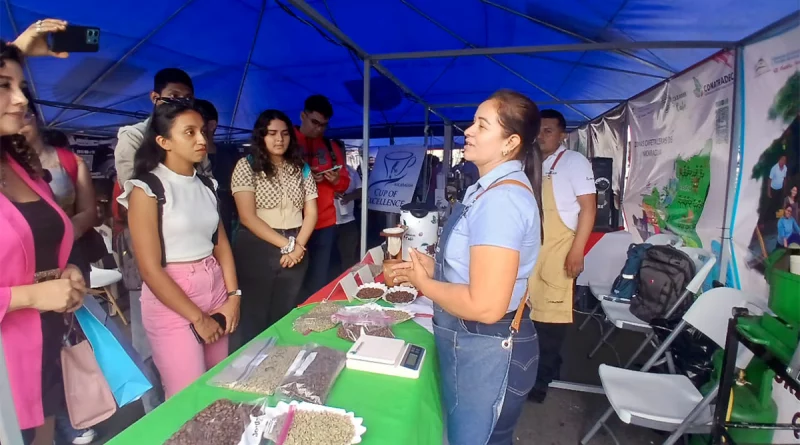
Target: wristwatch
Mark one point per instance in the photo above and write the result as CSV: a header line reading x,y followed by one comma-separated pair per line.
x,y
237,293
289,248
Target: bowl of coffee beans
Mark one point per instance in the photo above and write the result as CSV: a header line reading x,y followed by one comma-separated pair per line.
x,y
399,295
369,292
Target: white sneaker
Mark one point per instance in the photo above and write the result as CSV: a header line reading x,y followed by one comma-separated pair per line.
x,y
86,438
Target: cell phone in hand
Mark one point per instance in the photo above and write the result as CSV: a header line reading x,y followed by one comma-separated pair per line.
x,y
332,169
219,318
75,39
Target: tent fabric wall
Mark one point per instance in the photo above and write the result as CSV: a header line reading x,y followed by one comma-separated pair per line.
x,y
608,141
249,55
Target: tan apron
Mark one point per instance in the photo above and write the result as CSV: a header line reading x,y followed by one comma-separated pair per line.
x,y
550,288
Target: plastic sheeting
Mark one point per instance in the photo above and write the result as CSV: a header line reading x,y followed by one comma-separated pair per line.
x,y
292,58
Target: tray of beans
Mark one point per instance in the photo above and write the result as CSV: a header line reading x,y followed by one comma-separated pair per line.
x,y
400,295
308,424
369,292
223,422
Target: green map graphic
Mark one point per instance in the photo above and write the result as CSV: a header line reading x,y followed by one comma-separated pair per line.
x,y
678,205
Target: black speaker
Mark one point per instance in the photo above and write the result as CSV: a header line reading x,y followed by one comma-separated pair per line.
x,y
606,219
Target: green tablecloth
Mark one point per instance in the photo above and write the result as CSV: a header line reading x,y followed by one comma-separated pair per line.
x,y
395,410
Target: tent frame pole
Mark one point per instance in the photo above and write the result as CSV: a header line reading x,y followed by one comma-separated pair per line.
x,y
365,158
570,47
120,61
492,59
546,24
540,102
247,64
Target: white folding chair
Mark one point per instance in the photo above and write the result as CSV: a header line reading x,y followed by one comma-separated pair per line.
x,y
669,402
619,314
102,280
602,290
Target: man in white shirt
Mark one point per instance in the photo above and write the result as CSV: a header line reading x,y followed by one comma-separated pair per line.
x,y
777,180
347,228
569,206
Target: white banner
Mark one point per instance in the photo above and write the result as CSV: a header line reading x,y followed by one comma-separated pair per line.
x,y
394,178
608,134
582,144
680,134
770,138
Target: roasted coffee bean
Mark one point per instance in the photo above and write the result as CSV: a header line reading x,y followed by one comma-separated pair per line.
x,y
269,373
221,423
369,293
313,374
400,297
319,428
398,316
351,331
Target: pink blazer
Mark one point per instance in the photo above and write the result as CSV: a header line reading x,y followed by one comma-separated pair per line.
x,y
22,329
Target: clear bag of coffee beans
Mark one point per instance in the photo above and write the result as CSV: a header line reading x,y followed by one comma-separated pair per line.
x,y
312,374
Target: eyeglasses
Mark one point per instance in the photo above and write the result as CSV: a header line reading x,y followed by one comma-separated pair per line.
x,y
181,101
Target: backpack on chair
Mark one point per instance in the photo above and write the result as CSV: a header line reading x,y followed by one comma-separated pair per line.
x,y
627,285
663,276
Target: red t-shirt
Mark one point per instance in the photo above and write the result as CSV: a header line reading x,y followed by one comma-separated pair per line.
x,y
316,154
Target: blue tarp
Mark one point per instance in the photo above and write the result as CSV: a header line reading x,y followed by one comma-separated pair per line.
x,y
292,57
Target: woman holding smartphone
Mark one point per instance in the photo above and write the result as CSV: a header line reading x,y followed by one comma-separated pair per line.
x,y
180,301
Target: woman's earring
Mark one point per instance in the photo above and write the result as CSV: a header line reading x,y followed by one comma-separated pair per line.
x,y
505,153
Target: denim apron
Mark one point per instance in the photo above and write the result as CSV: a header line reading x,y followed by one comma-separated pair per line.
x,y
482,365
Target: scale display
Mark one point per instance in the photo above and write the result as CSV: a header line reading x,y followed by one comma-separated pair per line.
x,y
388,356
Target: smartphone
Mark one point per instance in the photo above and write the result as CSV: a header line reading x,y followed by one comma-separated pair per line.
x,y
75,39
332,169
219,318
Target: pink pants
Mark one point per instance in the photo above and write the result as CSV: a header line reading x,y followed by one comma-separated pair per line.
x,y
180,359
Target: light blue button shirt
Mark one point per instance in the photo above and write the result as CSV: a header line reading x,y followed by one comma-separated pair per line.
x,y
505,216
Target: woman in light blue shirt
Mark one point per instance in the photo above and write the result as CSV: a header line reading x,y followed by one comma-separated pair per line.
x,y
486,343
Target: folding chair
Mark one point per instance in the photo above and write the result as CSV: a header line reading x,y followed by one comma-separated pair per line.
x,y
102,281
669,402
619,314
603,290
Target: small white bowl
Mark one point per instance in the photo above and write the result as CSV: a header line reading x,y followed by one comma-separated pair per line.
x,y
380,286
413,291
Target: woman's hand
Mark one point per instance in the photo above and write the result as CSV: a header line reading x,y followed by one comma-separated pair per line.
x,y
297,254
208,329
417,271
287,261
230,309
72,273
63,295
33,41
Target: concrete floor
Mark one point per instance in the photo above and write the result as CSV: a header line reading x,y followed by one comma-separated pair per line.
x,y
563,418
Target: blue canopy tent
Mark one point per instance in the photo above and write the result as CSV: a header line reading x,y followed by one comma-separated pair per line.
x,y
388,66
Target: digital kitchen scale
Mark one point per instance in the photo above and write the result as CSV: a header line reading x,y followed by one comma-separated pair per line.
x,y
389,356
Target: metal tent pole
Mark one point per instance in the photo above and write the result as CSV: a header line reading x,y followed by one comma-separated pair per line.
x,y
9,425
365,159
247,65
540,102
572,47
447,149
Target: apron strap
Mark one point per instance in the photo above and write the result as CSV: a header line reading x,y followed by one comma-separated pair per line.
x,y
558,158
518,315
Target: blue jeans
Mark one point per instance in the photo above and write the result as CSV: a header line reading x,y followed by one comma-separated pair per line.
x,y
484,386
319,251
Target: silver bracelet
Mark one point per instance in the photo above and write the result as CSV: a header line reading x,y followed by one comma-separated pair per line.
x,y
289,248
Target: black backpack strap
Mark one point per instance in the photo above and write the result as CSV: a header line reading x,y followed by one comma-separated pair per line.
x,y
157,188
331,151
210,184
